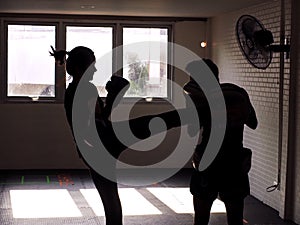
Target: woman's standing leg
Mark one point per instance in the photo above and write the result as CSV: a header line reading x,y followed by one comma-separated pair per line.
x,y
202,207
108,191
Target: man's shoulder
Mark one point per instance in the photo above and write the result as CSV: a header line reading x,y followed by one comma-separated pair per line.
x,y
233,87
230,85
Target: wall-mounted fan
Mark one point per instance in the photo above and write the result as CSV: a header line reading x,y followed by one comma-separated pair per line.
x,y
256,42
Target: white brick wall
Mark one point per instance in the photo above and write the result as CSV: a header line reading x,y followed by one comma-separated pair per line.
x,y
263,88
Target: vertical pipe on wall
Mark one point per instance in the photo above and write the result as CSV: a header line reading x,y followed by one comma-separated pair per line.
x,y
281,92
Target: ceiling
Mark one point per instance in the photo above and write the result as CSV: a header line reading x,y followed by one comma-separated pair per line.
x,y
160,8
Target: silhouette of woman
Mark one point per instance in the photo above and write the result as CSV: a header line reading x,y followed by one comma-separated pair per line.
x,y
80,65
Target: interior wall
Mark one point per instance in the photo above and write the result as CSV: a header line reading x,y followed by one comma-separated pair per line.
x,y
263,89
37,136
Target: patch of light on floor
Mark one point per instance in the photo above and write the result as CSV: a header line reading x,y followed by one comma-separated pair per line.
x,y
218,207
43,204
133,203
180,200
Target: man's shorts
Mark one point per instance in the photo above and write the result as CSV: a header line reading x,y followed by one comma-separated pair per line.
x,y
210,186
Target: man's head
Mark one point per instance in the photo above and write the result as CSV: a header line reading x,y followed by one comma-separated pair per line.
x,y
195,65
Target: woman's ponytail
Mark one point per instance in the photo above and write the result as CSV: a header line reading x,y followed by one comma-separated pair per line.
x,y
58,55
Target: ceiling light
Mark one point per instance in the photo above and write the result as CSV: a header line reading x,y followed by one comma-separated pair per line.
x,y
87,6
203,44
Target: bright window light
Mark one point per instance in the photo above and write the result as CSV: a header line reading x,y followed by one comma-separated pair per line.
x,y
180,200
133,203
43,204
147,75
100,40
30,70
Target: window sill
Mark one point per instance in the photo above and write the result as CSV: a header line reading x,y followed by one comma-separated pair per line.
x,y
32,100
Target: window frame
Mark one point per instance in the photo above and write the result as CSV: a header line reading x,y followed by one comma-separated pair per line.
x,y
26,99
91,24
170,71
61,22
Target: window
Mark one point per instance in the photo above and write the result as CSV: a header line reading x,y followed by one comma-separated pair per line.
x,y
33,75
146,67
30,70
100,40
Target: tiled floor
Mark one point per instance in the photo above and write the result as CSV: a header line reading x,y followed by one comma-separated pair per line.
x,y
69,197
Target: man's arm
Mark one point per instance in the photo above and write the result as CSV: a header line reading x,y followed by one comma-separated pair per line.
x,y
252,119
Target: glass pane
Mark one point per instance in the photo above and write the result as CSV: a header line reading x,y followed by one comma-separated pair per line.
x,y
147,75
30,69
100,40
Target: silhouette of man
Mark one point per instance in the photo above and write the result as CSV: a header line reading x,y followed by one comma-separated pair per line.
x,y
225,176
